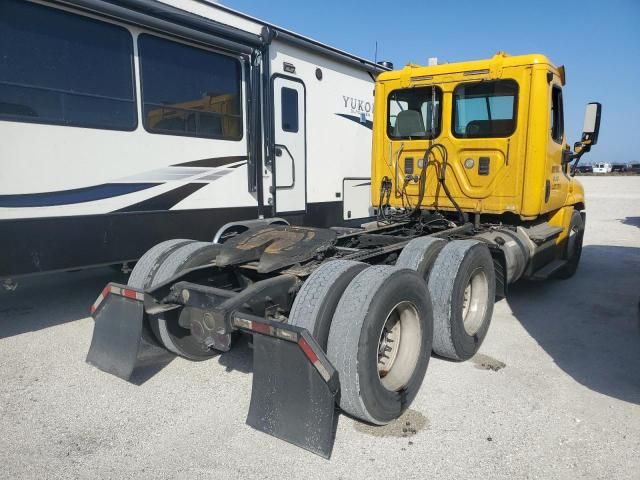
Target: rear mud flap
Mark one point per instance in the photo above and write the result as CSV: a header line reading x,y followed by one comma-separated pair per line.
x,y
294,384
290,399
117,346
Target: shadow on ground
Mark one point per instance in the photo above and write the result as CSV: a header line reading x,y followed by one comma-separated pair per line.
x,y
53,299
240,357
45,301
589,323
152,360
633,221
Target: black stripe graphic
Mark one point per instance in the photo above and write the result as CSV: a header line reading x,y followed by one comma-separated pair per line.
x,y
68,197
107,190
166,200
239,165
367,123
211,162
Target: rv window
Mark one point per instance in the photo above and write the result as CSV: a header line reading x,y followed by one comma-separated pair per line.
x,y
414,113
189,91
289,98
486,109
60,68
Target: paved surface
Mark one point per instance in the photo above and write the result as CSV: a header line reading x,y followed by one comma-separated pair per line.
x,y
554,393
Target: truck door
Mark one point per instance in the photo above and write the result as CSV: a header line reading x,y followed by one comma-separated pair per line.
x,y
290,148
557,178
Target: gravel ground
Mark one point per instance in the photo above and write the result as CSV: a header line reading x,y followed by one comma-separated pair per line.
x,y
553,393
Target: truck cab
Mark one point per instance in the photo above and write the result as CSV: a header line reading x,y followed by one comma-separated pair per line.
x,y
499,126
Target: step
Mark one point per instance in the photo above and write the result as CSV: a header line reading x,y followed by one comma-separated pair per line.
x,y
548,270
542,232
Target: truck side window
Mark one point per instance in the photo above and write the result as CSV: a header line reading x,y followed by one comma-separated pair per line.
x,y
483,110
557,115
289,100
414,113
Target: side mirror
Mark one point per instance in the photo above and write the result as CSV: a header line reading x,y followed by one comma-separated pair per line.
x,y
591,123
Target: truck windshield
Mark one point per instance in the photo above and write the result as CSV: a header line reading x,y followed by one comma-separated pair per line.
x,y
414,113
486,109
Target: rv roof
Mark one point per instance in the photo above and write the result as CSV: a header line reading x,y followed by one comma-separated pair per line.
x,y
189,18
303,38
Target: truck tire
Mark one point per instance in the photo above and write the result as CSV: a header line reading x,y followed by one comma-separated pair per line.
x,y
420,254
165,326
380,342
142,274
462,287
316,302
573,247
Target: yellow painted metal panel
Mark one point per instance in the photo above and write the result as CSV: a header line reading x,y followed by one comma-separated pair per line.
x,y
525,176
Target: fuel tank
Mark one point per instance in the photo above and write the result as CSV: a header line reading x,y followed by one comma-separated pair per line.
x,y
517,247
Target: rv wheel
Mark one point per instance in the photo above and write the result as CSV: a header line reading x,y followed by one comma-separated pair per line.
x,y
316,302
165,326
462,288
380,342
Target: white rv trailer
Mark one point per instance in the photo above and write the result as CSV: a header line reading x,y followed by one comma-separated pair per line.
x,y
127,123
602,167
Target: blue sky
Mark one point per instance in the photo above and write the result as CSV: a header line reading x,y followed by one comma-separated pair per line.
x,y
597,41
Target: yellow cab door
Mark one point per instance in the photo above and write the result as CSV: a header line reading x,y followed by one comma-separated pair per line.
x,y
557,176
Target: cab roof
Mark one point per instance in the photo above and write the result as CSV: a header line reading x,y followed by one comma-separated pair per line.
x,y
499,60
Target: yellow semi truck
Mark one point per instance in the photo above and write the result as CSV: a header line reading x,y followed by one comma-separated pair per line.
x,y
472,189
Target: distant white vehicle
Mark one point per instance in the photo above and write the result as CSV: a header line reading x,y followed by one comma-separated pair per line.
x,y
601,168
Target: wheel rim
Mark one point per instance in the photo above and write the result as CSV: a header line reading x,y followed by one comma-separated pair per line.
x,y
178,339
399,346
474,302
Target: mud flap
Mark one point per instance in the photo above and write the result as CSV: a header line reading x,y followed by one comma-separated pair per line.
x,y
117,346
290,399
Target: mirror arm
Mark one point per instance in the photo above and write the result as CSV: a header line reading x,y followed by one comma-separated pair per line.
x,y
580,149
574,167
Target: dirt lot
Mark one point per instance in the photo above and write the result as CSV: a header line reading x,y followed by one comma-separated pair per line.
x,y
553,393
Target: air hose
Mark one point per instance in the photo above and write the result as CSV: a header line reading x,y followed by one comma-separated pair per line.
x,y
441,177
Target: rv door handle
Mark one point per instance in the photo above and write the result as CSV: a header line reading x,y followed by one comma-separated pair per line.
x,y
278,152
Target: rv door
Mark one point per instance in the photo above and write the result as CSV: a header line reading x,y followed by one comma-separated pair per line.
x,y
290,147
